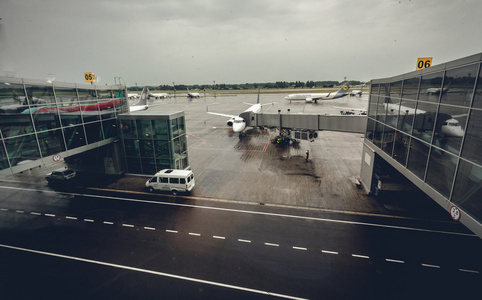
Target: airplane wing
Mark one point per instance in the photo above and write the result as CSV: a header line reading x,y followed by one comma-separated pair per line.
x,y
222,115
137,108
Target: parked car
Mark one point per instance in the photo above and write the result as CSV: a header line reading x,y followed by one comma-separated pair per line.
x,y
61,175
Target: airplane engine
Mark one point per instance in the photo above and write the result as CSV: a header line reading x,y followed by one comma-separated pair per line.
x,y
230,122
309,100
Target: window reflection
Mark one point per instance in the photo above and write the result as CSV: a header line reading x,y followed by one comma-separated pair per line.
x,y
459,85
410,88
372,106
388,136
396,89
441,171
424,122
400,149
450,128
417,158
468,189
22,149
473,138
477,101
430,87
407,114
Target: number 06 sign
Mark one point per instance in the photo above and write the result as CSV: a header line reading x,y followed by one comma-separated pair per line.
x,y
424,62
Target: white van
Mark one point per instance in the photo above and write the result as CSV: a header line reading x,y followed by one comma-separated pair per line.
x,y
171,180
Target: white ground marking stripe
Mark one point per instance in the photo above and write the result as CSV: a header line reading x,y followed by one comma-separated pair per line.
x,y
108,223
49,215
395,260
300,248
171,231
244,241
36,213
360,256
246,212
71,218
271,244
431,266
219,237
128,225
329,252
88,220
196,234
469,271
149,228
90,261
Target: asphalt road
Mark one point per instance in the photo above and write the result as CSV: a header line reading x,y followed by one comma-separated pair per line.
x,y
85,244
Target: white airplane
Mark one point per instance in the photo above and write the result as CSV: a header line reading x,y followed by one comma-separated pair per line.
x,y
320,96
356,92
450,126
351,111
238,123
193,95
156,95
142,103
132,96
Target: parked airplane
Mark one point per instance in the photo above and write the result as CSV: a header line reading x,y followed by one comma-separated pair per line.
x,y
320,96
193,95
132,96
356,92
142,103
156,95
238,123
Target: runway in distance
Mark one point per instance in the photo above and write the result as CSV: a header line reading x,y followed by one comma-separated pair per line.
x,y
237,123
314,97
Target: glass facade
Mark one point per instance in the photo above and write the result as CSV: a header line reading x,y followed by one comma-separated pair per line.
x,y
40,119
154,142
430,123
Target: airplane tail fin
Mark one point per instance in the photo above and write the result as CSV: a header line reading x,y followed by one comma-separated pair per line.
x,y
143,97
344,89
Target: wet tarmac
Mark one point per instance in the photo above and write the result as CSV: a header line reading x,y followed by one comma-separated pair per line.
x,y
256,171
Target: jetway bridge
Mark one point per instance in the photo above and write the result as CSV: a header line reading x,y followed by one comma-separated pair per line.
x,y
307,122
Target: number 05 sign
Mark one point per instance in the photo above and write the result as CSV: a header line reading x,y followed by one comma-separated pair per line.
x,y
424,62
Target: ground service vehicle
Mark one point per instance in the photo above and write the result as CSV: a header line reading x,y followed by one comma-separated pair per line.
x,y
60,175
171,180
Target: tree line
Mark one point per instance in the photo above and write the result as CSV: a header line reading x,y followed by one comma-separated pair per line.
x,y
248,86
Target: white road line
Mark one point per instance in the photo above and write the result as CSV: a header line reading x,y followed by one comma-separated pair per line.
x,y
431,266
329,252
270,244
219,237
360,256
3,209
171,231
36,213
71,218
244,241
196,234
469,271
108,223
128,225
248,212
151,272
395,260
300,248
19,211
88,220
49,215
149,228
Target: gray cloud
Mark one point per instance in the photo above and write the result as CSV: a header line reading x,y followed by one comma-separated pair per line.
x,y
198,41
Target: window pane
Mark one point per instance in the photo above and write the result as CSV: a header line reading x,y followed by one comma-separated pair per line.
x,y
377,137
51,142
94,132
374,88
417,158
441,171
69,107
424,123
430,87
450,128
459,85
161,129
381,110
407,114
468,190
478,92
473,138
392,112
129,129
370,125
396,89
74,136
22,148
410,88
400,150
372,107
387,144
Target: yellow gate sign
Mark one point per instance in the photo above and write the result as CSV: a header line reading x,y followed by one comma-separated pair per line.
x,y
89,77
424,62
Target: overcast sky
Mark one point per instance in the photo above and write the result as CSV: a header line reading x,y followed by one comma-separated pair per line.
x,y
153,42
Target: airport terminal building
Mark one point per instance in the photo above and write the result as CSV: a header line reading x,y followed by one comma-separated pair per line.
x,y
426,126
88,126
